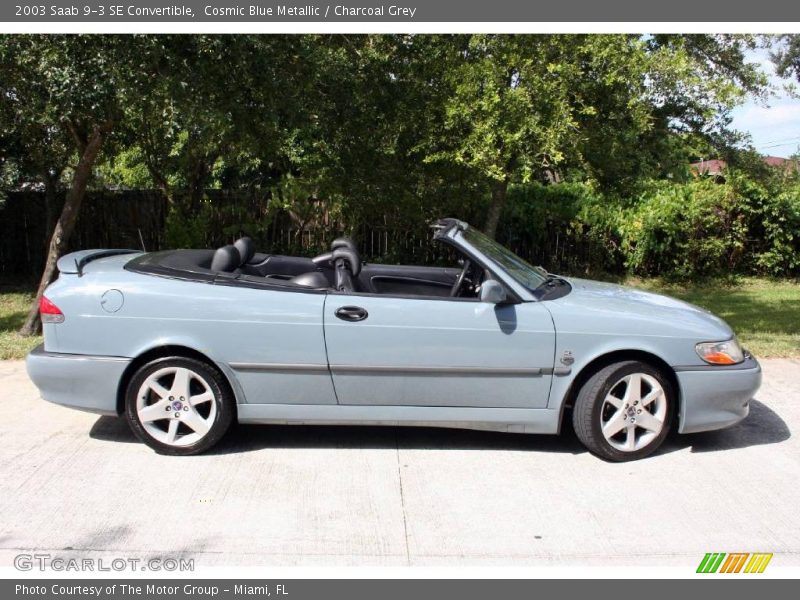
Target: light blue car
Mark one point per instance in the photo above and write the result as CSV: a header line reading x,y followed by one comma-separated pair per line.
x,y
183,342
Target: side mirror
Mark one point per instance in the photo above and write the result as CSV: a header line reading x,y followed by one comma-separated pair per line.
x,y
493,292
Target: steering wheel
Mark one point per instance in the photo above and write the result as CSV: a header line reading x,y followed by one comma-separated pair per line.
x,y
454,291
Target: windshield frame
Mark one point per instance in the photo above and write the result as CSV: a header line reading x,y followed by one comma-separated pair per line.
x,y
524,274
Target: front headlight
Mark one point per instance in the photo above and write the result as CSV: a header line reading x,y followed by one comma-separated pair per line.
x,y
721,353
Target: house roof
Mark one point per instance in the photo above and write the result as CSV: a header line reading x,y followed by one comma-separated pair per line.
x,y
709,167
776,161
717,166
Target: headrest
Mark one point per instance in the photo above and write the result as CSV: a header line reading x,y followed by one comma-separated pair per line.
x,y
226,259
246,249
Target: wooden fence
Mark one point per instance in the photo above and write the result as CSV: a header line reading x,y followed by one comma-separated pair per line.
x,y
136,218
107,219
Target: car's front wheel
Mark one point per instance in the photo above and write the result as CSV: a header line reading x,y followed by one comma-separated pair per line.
x,y
624,411
179,405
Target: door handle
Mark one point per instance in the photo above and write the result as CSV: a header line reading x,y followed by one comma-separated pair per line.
x,y
351,313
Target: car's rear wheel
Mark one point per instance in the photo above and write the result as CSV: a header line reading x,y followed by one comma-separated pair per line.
x,y
624,411
179,405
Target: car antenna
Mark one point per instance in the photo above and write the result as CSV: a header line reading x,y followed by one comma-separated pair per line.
x,y
141,239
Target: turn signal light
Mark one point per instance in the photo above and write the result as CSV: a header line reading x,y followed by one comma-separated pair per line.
x,y
719,358
721,353
49,312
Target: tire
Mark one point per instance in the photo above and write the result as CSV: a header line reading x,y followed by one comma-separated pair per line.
x,y
608,408
190,388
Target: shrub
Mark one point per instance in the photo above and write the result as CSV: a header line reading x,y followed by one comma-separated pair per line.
x,y
694,229
685,230
565,227
774,233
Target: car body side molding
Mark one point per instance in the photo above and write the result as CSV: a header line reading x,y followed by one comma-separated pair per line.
x,y
433,370
277,367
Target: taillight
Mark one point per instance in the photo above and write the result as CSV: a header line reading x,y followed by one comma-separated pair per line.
x,y
50,312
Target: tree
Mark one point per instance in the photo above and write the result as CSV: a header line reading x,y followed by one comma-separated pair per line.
x,y
31,147
392,129
523,106
667,103
786,56
221,110
505,107
74,88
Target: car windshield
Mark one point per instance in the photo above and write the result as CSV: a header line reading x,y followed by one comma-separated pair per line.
x,y
525,273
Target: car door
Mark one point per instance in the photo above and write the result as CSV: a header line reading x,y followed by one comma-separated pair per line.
x,y
273,341
385,350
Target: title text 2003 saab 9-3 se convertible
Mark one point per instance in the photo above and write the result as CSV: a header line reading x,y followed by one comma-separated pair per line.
x,y
185,341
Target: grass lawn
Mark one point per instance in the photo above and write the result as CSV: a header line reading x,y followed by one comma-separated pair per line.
x,y
764,313
14,305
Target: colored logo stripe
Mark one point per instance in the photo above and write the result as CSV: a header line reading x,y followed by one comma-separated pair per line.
x,y
710,562
758,563
734,562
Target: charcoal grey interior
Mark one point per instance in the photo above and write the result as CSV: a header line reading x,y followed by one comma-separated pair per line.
x,y
341,269
246,248
225,259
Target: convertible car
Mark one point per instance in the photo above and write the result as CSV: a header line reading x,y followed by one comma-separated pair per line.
x,y
184,342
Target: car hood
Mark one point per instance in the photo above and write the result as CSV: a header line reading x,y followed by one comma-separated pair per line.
x,y
646,311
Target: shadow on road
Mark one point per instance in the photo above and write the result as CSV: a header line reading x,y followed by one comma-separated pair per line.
x,y
763,426
249,438
255,437
112,429
111,539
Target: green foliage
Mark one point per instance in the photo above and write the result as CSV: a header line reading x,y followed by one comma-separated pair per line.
x,y
127,170
508,105
558,225
696,229
621,108
8,175
56,89
680,230
787,56
182,230
781,222
14,305
387,132
219,219
774,225
393,124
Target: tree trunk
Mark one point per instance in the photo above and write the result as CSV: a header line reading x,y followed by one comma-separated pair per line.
x,y
162,183
499,189
65,225
198,175
50,188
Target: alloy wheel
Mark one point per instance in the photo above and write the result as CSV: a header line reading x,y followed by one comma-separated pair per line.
x,y
176,406
633,413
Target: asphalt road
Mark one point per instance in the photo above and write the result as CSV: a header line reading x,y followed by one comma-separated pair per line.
x,y
76,485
